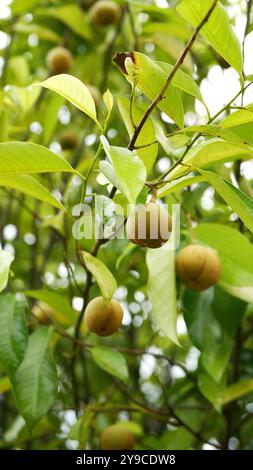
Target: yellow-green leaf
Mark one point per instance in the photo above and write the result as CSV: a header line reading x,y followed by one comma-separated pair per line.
x,y
217,31
74,91
101,273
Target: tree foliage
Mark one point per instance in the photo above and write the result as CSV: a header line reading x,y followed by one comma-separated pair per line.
x,y
99,111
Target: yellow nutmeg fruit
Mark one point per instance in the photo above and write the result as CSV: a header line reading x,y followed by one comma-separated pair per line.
x,y
150,226
105,12
59,60
198,266
103,317
117,437
95,93
43,312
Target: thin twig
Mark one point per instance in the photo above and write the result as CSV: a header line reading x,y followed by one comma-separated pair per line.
x,y
170,77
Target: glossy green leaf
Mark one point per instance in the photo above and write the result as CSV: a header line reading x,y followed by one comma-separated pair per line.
x,y
228,310
241,204
72,16
73,90
138,69
20,6
206,333
147,134
29,185
64,313
181,183
208,153
13,333
26,158
183,81
237,390
129,170
161,288
236,254
111,361
108,100
241,124
212,130
6,259
212,390
238,118
35,382
101,273
217,31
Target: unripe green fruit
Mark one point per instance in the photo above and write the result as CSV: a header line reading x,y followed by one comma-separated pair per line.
x,y
68,140
117,437
95,93
103,317
198,266
150,226
105,12
59,60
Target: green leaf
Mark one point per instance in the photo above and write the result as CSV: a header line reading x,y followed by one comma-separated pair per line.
x,y
212,390
181,183
40,31
111,361
20,6
6,259
73,90
129,170
206,333
138,69
72,16
21,97
236,254
161,286
146,136
5,385
80,429
23,157
29,185
64,314
183,81
213,130
241,124
101,273
217,31
35,382
241,204
208,153
108,100
50,116
237,390
228,310
13,333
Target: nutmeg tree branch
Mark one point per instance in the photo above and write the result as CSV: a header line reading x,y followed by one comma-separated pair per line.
x,y
170,77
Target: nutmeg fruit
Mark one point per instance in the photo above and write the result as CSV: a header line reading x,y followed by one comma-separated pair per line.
x,y
150,226
103,317
43,312
104,13
117,437
59,60
68,140
95,93
198,267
